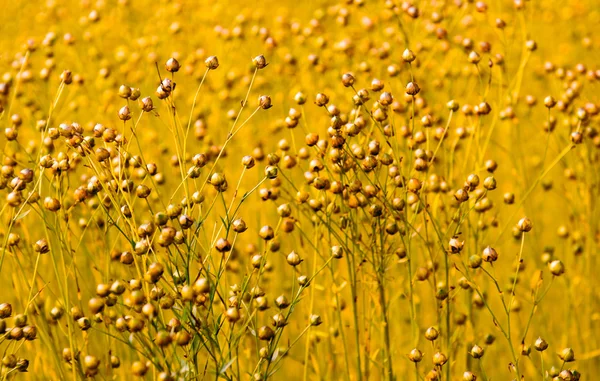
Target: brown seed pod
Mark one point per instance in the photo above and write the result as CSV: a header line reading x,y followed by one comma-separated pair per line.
x,y
172,65
265,333
212,63
412,89
260,62
525,225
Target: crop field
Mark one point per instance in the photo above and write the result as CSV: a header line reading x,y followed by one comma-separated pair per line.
x,y
300,190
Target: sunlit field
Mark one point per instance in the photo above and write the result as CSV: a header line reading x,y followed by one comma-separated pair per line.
x,y
300,190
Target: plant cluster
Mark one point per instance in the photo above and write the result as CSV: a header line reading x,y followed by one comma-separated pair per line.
x,y
347,190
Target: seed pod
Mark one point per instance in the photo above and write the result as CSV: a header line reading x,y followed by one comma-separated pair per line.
x,y
266,233
271,172
135,94
408,56
489,183
5,310
567,355
293,259
124,91
217,179
525,225
415,355
549,102
239,226
476,351
337,252
431,334
146,104
321,100
260,62
22,365
489,254
41,246
182,338
124,113
265,333
461,195
248,161
223,245
201,286
303,281
67,77
212,62
52,204
172,65
315,320
475,261
455,246
439,359
556,267
540,344
279,320
139,368
264,102
300,98
91,362
142,191
347,80
412,88
474,57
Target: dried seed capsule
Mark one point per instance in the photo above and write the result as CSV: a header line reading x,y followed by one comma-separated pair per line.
x,y
431,334
408,56
41,246
347,80
567,355
415,355
455,246
489,183
67,77
135,94
265,333
439,359
476,351
293,259
540,344
146,104
556,267
474,57
172,65
489,254
124,113
124,91
264,102
525,224
321,100
212,62
260,62
412,88
315,320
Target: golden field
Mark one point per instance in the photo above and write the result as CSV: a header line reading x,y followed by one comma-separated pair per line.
x,y
320,190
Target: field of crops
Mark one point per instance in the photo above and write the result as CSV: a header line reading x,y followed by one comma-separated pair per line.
x,y
300,190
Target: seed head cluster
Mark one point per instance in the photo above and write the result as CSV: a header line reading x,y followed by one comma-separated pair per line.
x,y
334,190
